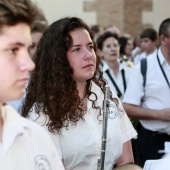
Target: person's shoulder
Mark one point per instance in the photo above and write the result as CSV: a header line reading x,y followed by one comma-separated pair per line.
x,y
126,68
127,71
34,127
30,130
151,60
105,66
152,56
21,122
36,131
137,67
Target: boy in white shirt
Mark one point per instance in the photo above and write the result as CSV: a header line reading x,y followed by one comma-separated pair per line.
x,y
23,144
148,45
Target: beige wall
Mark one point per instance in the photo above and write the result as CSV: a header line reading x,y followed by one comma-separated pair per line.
x,y
55,9
160,11
130,16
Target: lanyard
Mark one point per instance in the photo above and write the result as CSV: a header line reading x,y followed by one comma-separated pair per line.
x,y
163,72
119,94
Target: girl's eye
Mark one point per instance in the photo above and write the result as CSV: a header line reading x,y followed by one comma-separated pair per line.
x,y
91,47
76,49
108,46
115,45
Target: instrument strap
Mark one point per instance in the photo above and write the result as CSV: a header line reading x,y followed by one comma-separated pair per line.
x,y
123,77
163,72
119,94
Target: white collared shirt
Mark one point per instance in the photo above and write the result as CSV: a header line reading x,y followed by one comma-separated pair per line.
x,y
118,79
80,146
158,164
139,57
142,55
16,104
25,145
156,94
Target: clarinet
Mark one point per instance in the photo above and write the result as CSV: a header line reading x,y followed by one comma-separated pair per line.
x,y
106,103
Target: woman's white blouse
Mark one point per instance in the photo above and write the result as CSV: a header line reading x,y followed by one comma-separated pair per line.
x,y
80,146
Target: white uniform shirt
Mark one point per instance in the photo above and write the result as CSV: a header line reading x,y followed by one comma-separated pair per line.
x,y
158,164
79,146
135,50
141,56
156,94
118,79
25,145
16,104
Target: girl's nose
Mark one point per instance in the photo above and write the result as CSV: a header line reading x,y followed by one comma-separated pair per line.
x,y
87,54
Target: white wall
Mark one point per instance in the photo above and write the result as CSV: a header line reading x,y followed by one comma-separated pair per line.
x,y
160,11
56,9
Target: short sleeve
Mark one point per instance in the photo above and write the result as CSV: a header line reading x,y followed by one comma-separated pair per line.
x,y
134,92
127,129
42,121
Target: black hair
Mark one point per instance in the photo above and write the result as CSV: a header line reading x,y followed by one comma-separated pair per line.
x,y
164,26
149,33
103,37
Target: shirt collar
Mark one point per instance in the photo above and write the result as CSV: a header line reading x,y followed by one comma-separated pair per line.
x,y
121,66
161,57
13,126
12,120
106,67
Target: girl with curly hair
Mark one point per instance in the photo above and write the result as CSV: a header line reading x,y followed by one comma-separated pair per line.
x,y
65,95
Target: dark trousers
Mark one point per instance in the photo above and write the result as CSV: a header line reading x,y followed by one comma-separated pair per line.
x,y
147,145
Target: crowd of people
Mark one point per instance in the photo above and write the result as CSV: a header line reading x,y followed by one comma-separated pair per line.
x,y
53,80
145,96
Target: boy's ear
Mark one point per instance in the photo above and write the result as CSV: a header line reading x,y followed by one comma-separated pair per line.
x,y
163,39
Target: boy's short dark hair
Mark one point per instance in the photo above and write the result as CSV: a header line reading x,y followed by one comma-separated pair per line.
x,y
149,33
164,26
40,23
15,11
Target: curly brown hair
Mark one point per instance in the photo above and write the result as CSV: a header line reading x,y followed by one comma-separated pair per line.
x,y
52,89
